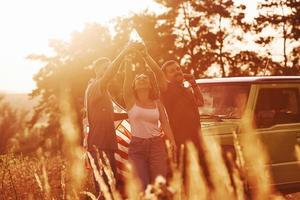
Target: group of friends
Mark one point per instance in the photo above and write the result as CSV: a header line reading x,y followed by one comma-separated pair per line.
x,y
158,107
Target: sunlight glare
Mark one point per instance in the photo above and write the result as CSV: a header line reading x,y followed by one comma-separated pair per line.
x,y
135,37
27,26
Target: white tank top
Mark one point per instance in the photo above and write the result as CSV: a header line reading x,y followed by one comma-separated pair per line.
x,y
144,122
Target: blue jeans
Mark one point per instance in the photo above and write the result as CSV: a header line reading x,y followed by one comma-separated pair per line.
x,y
149,158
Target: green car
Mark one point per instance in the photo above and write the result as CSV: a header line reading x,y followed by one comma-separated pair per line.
x,y
273,106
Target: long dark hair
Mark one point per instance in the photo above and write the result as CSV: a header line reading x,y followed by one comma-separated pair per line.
x,y
154,91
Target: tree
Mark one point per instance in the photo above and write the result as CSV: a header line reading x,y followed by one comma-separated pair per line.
x,y
158,39
204,31
249,63
12,122
281,16
67,73
295,5
198,34
194,40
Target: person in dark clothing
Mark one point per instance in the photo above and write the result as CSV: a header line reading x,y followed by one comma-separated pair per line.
x,y
182,107
101,134
182,104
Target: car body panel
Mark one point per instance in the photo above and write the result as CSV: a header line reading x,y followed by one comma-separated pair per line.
x,y
279,140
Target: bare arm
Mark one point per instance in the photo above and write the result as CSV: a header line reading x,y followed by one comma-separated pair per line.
x,y
127,87
160,76
114,67
161,79
196,90
165,123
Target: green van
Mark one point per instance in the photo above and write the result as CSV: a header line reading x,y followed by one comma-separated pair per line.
x,y
273,104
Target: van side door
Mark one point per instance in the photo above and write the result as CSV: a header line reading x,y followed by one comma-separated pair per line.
x,y
277,122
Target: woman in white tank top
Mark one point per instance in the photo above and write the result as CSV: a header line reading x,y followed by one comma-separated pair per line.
x,y
149,123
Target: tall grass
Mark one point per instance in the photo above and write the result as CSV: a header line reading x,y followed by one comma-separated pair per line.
x,y
297,152
196,188
71,147
256,159
73,181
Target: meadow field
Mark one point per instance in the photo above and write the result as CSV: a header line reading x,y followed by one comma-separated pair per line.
x,y
64,174
46,175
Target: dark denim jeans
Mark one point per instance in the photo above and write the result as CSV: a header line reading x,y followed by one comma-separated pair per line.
x,y
149,158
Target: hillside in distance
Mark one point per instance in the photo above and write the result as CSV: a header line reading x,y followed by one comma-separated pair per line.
x,y
20,100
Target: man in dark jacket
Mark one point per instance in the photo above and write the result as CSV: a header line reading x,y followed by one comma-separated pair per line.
x,y
101,134
182,104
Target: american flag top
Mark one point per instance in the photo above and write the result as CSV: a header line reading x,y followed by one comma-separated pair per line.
x,y
123,139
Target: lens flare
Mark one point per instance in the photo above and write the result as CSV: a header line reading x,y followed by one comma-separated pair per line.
x,y
135,37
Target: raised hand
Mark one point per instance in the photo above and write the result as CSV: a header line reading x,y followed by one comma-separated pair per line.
x,y
137,47
142,49
190,78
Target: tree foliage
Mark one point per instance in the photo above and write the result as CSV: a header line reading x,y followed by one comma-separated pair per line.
x,y
201,35
12,122
283,18
67,72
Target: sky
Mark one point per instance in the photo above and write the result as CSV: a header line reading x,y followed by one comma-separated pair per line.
x,y
27,26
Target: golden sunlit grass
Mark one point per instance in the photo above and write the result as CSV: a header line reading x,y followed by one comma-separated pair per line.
x,y
297,151
62,176
196,188
71,147
41,178
256,159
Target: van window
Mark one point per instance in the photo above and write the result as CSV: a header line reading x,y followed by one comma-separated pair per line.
x,y
225,101
277,106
